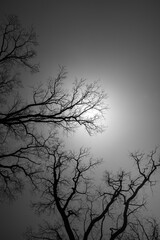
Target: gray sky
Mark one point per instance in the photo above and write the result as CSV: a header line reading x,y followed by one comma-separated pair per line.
x,y
117,42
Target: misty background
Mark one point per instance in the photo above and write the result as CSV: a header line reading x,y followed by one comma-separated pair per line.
x,y
117,42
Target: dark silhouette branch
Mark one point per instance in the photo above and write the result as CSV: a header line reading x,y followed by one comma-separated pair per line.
x,y
85,209
84,106
50,108
142,229
17,44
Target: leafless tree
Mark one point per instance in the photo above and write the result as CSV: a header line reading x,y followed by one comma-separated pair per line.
x,y
16,45
25,127
142,229
82,210
50,104
17,48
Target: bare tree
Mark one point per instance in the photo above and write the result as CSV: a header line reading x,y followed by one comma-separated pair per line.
x,y
82,210
142,229
50,104
17,48
25,127
16,45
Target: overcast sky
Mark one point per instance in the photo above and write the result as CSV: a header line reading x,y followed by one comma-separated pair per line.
x,y
117,42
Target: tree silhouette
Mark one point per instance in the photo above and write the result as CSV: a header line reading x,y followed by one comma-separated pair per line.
x,y
23,142
142,229
17,49
82,210
30,148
